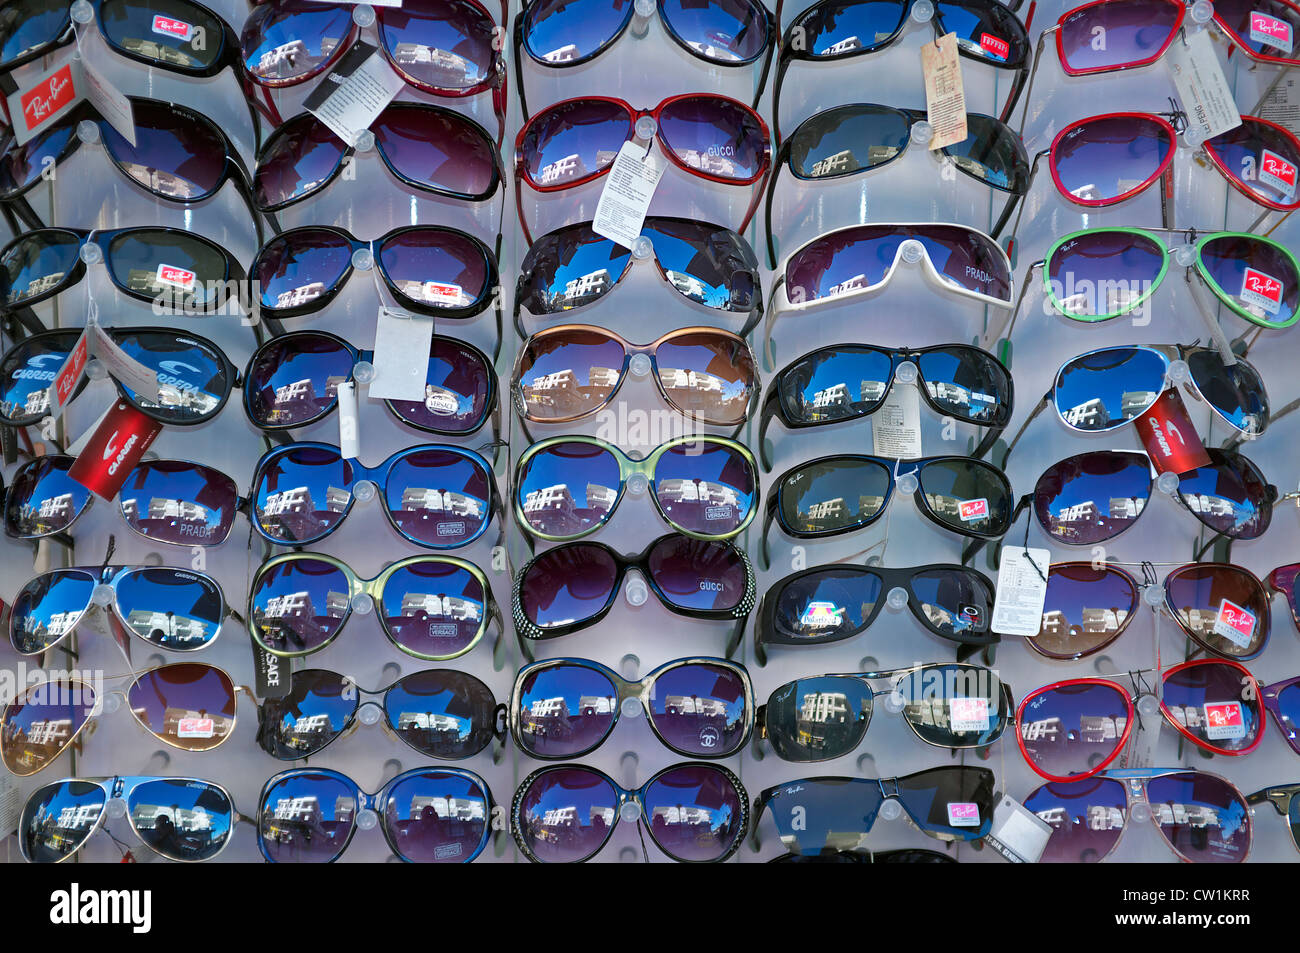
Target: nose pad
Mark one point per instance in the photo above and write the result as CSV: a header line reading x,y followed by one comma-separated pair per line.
x,y
91,253
369,714
367,819
637,484
88,133
363,603
896,599
365,491
103,596
1140,812
923,11
643,249
1184,255
111,703
362,259
635,590
1179,373
1167,483
82,12
630,708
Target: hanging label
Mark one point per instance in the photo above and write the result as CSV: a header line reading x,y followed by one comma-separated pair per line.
x,y
272,677
11,804
1235,624
349,444
1271,31
170,26
1170,436
896,426
995,46
110,102
1201,85
65,380
1224,721
38,106
1142,741
114,449
122,367
195,728
945,98
1262,290
401,359
625,197
1282,105
970,510
963,813
968,714
1277,172
1017,833
1021,591
354,92
176,277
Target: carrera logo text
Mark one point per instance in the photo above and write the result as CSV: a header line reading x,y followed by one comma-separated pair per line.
x,y
131,441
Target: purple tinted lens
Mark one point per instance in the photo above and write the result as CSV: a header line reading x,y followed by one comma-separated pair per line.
x,y
20,166
568,488
1103,273
1134,31
43,499
1202,816
437,149
705,488
1100,160
286,42
1216,703
565,710
439,498
1085,610
1288,714
699,709
573,140
181,503
299,605
1230,495
301,493
1073,728
296,268
725,31
301,157
559,32
715,136
435,268
441,712
188,704
178,154
694,813
1262,158
436,817
36,727
566,815
1226,258
1223,607
1087,818
457,390
1092,497
434,609
698,574
567,585
439,44
294,379
307,818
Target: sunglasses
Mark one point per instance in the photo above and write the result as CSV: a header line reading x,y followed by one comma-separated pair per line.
x,y
436,496
194,376
826,716
1102,273
1230,496
1202,817
1282,580
576,141
431,607
907,855
816,816
850,381
187,705
1074,729
694,813
987,32
863,137
572,371
1282,701
832,603
181,819
179,610
425,147
572,587
292,381
567,708
1284,799
428,815
568,487
441,713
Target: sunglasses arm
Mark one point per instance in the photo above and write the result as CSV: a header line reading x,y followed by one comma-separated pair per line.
x,y
760,189
782,64
519,208
1013,202
1033,414
769,517
990,438
519,61
498,644
1004,334
1217,337
975,546
1020,206
769,358
1029,85
782,156
773,35
771,408
1166,197
736,638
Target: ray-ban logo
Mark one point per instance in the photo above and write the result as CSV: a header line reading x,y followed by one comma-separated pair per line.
x,y
49,97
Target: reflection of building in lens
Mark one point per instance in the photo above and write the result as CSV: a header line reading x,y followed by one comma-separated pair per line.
x,y
822,708
554,510
56,508
417,499
561,393
837,164
442,64
36,286
1205,504
1093,621
562,55
430,730
298,400
307,732
711,161
856,283
579,290
294,513
829,511
159,51
38,402
34,746
846,45
688,285
168,628
562,170
160,182
183,516
417,605
695,391
292,58
1090,415
293,618
687,501
296,297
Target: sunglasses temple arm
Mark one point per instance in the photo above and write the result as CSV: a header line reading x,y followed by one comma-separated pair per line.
x,y
765,553
518,42
1013,202
768,356
990,439
1005,332
760,189
770,408
1029,84
25,213
519,209
782,64
781,155
737,636
1167,197
772,37
248,88
1033,414
1020,206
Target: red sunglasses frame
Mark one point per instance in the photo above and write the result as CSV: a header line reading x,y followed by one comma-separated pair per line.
x,y
1236,182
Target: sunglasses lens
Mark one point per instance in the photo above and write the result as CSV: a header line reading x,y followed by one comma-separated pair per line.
x,y
566,815
835,384
21,166
569,373
164,30
1101,274
707,376
573,140
968,384
306,818
1224,608
707,264
565,710
950,801
817,719
1213,825
847,139
705,488
440,45
1261,27
437,817
43,499
695,813
568,489
184,504
36,264
436,269
176,269
299,605
993,154
953,706
58,819
437,149
1262,158
170,608
48,608
1229,496
845,27
1084,611
300,494
193,377
1255,275
27,25
699,575
176,154
730,31
560,32
26,374
290,41
967,496
1288,706
181,819
1102,159
1105,389
1069,495
715,137
293,380
826,605
458,388
1087,818
957,603
299,158
434,609
834,496
1134,32
1073,728
567,585
188,704
36,727
298,267
699,709
317,709
834,814
443,713
1215,703
439,498
571,267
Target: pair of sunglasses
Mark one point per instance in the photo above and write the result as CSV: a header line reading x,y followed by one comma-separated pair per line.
x,y
826,716
850,381
442,713
1074,729
1223,608
427,815
186,705
694,813
292,381
431,607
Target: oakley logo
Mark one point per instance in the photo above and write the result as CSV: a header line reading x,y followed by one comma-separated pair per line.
x,y
47,99
73,906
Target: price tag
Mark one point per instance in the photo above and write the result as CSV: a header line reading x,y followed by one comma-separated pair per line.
x,y
968,714
1224,721
963,814
349,444
401,360
896,426
11,804
354,92
1282,105
1235,624
122,367
111,103
1017,833
1021,591
1277,172
1262,290
1270,31
945,97
625,198
1201,85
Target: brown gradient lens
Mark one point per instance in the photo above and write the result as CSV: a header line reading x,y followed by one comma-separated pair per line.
x,y
706,374
567,373
37,727
1086,609
190,705
1223,608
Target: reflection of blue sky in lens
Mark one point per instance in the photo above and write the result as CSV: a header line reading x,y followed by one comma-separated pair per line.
x,y
302,492
170,607
699,708
437,498
1093,496
299,604
298,267
827,602
41,722
567,814
564,710
43,499
436,817
179,503
1226,259
588,269
1087,818
1072,729
296,378
285,42
1103,272
819,718
58,818
847,26
567,584
1133,30
725,31
834,495
705,488
191,379
433,608
441,712
37,264
693,812
1223,496
1201,815
182,820
707,264
1109,387
48,607
557,31
836,384
1103,158
568,487
27,377
319,706
307,817
1202,696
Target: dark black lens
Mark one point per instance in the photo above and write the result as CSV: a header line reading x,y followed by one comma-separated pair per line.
x,y
26,373
1236,391
836,383
833,495
28,25
955,602
967,383
826,605
1231,495
442,713
967,496
954,706
193,377
824,815
848,138
955,801
318,707
993,154
174,33
817,719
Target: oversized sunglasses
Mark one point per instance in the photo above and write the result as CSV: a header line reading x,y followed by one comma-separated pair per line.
x,y
427,815
824,717
442,713
1202,817
565,708
567,487
292,381
1282,701
431,607
694,812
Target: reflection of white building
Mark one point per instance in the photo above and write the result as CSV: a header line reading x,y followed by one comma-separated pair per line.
x,y
562,170
49,731
836,396
441,501
842,161
420,54
692,491
1085,512
847,45
824,708
1089,415
688,285
77,816
829,509
299,605
855,283
565,53
38,402
56,507
447,607
555,497
300,500
161,508
587,286
300,295
1207,505
178,629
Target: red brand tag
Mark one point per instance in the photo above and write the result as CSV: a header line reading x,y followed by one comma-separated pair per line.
x,y
1277,172
65,381
168,26
51,96
176,277
1270,30
1170,436
995,46
1261,289
973,510
1224,720
114,449
963,814
195,728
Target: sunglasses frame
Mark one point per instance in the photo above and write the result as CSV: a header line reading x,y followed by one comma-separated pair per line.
x,y
1281,797
1283,581
1269,696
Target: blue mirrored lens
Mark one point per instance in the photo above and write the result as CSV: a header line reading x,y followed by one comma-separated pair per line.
x,y
1110,387
171,608
436,817
48,608
302,493
563,31
43,499
434,608
299,605
181,819
58,819
817,719
36,264
25,378
835,384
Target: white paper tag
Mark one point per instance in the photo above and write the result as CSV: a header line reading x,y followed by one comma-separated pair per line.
x,y
401,358
968,714
1017,833
1270,30
195,728
1262,290
1224,721
945,97
625,198
1021,591
963,814
1201,85
1282,105
1277,172
349,442
111,103
896,425
1235,624
122,367
11,805
350,109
